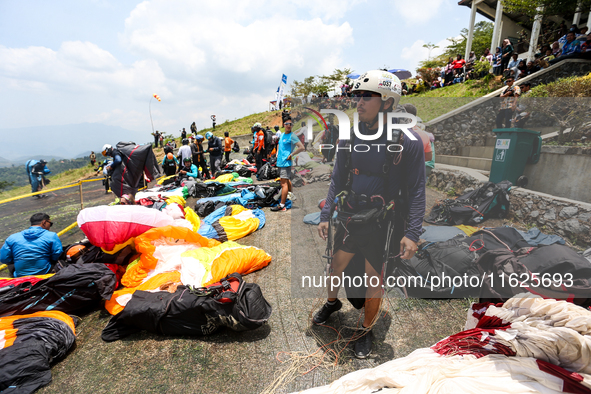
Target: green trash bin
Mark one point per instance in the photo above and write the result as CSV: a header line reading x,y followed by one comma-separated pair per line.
x,y
514,148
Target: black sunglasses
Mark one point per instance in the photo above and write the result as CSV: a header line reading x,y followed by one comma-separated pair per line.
x,y
366,96
50,223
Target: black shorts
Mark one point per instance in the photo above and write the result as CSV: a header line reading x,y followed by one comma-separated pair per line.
x,y
368,241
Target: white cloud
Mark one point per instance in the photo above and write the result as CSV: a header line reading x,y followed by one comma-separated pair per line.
x,y
257,40
418,11
223,57
417,51
77,67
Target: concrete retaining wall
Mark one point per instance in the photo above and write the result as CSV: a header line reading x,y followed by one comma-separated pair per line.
x,y
471,124
552,215
562,171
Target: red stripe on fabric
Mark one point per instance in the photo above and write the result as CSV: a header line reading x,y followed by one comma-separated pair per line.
x,y
107,234
18,281
571,380
125,169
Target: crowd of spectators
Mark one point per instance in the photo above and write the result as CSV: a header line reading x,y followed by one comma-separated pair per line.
x,y
557,43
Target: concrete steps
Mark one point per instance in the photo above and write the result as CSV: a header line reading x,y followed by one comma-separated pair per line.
x,y
483,152
477,163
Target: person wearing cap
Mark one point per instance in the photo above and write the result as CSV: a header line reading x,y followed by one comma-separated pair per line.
x,y
367,179
214,147
33,251
188,170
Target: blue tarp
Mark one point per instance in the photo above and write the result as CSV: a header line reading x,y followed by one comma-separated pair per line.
x,y
314,218
535,237
208,229
440,233
242,198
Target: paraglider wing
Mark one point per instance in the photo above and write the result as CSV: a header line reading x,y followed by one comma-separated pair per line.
x,y
136,159
107,226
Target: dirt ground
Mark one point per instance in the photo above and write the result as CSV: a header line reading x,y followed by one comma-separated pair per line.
x,y
248,362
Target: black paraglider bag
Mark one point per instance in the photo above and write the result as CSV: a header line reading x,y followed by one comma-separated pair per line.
x,y
136,160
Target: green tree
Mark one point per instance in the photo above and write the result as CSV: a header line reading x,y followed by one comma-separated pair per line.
x,y
481,40
320,84
430,47
549,7
5,184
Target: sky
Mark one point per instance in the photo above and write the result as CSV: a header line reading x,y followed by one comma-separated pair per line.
x,y
68,62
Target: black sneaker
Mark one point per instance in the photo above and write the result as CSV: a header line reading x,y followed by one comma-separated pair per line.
x,y
363,345
277,208
324,313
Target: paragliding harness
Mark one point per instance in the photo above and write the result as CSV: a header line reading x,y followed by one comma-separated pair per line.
x,y
34,170
391,213
107,176
236,147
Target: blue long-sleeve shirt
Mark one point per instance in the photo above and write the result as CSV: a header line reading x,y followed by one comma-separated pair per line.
x,y
194,171
33,251
116,159
410,170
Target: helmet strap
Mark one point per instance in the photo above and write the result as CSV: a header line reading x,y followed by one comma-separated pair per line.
x,y
377,118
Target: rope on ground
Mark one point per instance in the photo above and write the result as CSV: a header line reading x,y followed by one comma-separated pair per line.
x,y
71,226
46,190
326,356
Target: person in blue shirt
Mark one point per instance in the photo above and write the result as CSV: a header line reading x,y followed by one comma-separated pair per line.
x,y
188,170
288,146
33,251
36,171
115,154
368,179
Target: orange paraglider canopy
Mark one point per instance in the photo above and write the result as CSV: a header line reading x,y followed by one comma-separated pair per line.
x,y
144,245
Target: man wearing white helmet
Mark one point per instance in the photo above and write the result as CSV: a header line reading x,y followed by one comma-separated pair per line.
x,y
366,181
115,154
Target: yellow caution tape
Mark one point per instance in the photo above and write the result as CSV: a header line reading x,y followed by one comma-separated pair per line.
x,y
46,191
71,226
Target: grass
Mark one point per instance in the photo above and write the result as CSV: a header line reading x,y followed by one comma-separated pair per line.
x,y
62,179
242,126
437,102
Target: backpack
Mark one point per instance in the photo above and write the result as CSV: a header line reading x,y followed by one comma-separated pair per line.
x,y
236,147
490,200
231,302
268,139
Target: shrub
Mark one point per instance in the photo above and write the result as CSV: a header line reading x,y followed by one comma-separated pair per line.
x,y
565,87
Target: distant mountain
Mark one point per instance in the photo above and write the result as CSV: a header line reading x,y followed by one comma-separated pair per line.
x,y
5,162
24,159
65,141
84,154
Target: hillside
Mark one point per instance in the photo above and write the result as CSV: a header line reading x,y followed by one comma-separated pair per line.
x,y
242,126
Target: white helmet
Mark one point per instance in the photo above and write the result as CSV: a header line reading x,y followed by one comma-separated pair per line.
x,y
106,148
382,82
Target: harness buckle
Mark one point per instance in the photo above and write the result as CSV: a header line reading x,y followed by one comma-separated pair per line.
x,y
355,171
